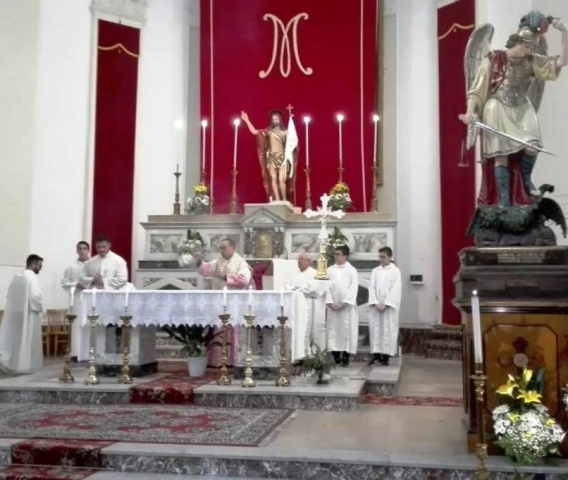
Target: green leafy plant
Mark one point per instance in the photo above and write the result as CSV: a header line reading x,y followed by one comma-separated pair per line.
x,y
319,361
195,338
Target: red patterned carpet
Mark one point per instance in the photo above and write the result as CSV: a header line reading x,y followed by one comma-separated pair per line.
x,y
144,424
70,453
27,472
175,389
374,399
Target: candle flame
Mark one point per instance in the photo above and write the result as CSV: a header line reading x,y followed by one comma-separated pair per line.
x,y
307,119
474,293
204,123
179,124
340,117
376,118
237,122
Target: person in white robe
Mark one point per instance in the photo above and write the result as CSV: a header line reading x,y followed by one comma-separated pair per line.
x,y
21,349
231,271
384,301
71,277
342,315
306,283
104,271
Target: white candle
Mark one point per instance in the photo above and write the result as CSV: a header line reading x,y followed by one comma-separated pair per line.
x,y
250,296
224,296
126,299
282,298
307,121
376,122
178,125
94,297
204,126
71,297
340,119
476,321
236,122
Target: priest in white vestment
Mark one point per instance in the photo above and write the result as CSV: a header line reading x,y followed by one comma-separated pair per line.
x,y
231,271
384,301
105,271
21,348
71,277
305,282
342,315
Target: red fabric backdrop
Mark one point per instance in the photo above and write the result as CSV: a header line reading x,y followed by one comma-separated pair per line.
x,y
115,130
338,42
455,23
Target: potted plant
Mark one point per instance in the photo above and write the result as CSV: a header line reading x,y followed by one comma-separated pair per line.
x,y
318,361
195,339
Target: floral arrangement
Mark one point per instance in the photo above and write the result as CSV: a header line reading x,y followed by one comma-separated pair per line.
x,y
336,239
318,361
523,426
200,203
339,197
192,245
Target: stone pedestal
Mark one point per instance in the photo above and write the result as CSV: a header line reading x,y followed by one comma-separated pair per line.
x,y
523,296
142,351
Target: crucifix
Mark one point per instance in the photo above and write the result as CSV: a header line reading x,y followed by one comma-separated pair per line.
x,y
290,108
324,213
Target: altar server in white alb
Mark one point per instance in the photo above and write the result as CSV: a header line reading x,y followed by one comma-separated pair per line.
x,y
384,301
305,282
20,332
71,277
342,315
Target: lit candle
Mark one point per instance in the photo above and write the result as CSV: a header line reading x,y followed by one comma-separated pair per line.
x,y
225,296
178,125
94,297
204,127
250,296
476,321
126,299
307,121
376,122
71,297
340,119
282,298
236,122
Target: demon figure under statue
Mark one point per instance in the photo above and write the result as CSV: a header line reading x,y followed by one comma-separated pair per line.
x,y
504,91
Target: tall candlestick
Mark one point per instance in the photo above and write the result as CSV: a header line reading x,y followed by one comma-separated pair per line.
x,y
126,299
282,298
236,122
94,297
307,121
178,125
224,296
340,119
71,297
376,122
250,296
204,127
476,321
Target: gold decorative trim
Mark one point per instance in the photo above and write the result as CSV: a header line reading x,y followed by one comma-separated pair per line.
x,y
453,28
119,47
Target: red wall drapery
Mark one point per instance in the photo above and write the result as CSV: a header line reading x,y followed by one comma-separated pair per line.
x,y
338,41
455,24
115,132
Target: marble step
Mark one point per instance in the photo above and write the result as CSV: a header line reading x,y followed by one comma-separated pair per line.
x,y
156,476
448,333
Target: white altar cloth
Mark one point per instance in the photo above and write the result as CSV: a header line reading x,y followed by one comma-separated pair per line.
x,y
200,307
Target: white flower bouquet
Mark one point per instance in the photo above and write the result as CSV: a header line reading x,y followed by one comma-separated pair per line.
x,y
200,203
191,246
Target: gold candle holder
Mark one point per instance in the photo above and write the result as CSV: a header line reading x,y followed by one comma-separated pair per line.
x,y
481,452
66,376
92,377
322,262
234,201
283,379
125,376
308,189
340,171
248,381
224,378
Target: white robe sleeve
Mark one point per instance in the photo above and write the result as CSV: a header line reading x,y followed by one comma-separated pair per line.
x,y
67,281
88,273
120,277
392,298
373,300
350,297
34,296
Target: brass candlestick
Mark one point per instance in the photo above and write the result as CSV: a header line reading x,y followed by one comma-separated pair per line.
x,y
340,171
283,379
308,189
248,381
203,176
177,205
234,200
125,376
92,378
374,200
479,381
322,262
224,378
66,376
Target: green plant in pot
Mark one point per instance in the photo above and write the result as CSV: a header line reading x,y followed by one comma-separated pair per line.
x,y
319,361
196,340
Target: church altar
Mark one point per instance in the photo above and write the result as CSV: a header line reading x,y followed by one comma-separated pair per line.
x,y
155,308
